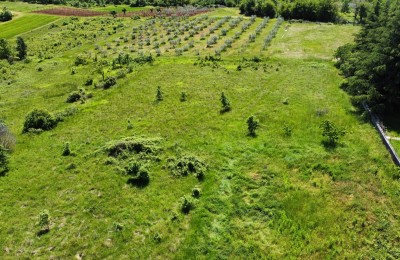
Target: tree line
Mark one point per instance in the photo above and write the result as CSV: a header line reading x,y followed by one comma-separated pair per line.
x,y
371,65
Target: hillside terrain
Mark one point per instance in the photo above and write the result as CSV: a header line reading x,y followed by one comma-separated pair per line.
x,y
143,95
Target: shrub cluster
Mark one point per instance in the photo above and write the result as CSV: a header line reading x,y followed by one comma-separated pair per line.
x,y
5,15
39,120
187,165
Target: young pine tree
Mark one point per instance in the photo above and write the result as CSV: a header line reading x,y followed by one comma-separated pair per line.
x,y
252,125
21,48
159,95
226,105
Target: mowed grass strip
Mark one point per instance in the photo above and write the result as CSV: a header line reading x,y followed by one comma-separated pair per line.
x,y
24,24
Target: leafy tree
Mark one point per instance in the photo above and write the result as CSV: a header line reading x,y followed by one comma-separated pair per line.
x,y
39,119
5,15
252,125
21,48
44,220
5,51
226,105
331,132
371,65
113,13
67,150
183,97
159,95
124,10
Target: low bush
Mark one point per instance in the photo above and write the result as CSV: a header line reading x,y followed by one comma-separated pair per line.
x,y
133,145
139,175
39,119
187,204
187,165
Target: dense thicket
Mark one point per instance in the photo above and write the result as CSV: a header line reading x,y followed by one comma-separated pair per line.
x,y
262,8
372,64
5,15
311,10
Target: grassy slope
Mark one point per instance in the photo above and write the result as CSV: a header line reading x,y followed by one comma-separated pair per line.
x,y
24,23
271,196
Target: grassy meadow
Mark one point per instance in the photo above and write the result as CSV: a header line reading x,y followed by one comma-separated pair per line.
x,y
281,194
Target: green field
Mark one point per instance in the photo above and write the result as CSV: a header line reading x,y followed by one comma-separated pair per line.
x,y
23,24
281,194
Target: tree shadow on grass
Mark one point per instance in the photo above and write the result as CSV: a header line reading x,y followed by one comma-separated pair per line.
x,y
138,183
330,146
42,232
3,173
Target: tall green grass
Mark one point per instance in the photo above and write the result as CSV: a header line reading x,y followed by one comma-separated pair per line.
x,y
25,23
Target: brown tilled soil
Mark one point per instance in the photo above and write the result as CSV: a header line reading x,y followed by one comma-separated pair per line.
x,y
68,11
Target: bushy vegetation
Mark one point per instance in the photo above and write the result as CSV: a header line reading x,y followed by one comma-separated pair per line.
x,y
122,195
310,10
370,65
5,15
133,145
39,120
261,8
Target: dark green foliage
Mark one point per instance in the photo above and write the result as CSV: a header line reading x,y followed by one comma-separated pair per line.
x,y
139,175
3,160
21,48
261,8
226,105
80,60
5,15
186,165
67,150
159,95
187,204
5,51
39,119
79,95
371,65
252,125
331,132
44,220
196,192
143,59
113,13
311,10
133,145
183,97
108,83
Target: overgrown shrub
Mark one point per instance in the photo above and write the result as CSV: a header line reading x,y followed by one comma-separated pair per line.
x,y
252,125
186,165
39,119
187,204
226,105
80,60
5,15
139,175
133,145
108,83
